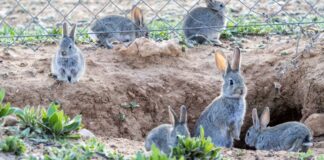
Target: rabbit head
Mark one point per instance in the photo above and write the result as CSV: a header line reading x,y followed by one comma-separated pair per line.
x,y
67,44
258,126
233,82
216,5
138,18
180,127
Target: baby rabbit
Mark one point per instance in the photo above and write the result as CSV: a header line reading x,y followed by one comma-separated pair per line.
x,y
289,136
223,118
68,63
117,28
204,24
165,136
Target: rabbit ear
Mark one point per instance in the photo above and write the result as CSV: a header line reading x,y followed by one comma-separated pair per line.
x,y
65,31
220,61
173,116
183,114
72,33
265,118
137,16
236,59
255,118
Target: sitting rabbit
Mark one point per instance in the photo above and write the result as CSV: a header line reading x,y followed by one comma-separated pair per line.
x,y
165,136
223,118
289,136
117,28
68,64
204,24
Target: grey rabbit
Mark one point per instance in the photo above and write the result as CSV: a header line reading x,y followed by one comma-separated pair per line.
x,y
223,118
68,64
204,24
165,136
289,136
116,28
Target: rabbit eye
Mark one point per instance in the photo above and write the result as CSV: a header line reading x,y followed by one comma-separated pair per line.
x,y
231,82
221,5
70,47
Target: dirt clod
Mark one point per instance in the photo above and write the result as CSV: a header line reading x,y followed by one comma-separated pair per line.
x,y
316,123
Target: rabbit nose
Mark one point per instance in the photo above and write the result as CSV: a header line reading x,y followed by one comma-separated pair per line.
x,y
240,91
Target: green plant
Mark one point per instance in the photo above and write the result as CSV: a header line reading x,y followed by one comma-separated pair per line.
x,y
29,117
91,149
196,148
320,157
307,155
156,155
122,117
13,144
57,123
132,105
6,109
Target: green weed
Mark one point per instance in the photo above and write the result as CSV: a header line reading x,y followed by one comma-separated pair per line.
x,y
196,148
5,109
55,122
91,149
305,156
13,144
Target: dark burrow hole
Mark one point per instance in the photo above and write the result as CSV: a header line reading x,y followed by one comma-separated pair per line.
x,y
279,114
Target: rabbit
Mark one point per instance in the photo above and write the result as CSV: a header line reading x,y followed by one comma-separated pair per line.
x,y
116,28
223,118
68,64
289,136
204,24
165,136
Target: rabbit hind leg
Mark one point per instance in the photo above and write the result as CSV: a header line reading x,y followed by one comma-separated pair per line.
x,y
296,146
214,39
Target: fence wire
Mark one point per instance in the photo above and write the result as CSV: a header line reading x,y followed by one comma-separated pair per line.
x,y
35,22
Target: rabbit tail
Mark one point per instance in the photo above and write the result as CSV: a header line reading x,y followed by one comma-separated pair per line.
x,y
307,143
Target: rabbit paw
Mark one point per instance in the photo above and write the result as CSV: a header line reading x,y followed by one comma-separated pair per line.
x,y
217,42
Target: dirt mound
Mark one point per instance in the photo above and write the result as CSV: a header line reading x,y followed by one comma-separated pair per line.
x,y
121,98
145,52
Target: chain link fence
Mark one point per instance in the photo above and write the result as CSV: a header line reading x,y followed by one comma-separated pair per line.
x,y
36,22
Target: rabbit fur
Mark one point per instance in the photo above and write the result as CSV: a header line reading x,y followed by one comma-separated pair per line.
x,y
68,64
165,136
223,118
289,136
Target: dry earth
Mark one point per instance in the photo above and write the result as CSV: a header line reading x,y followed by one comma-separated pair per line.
x,y
292,89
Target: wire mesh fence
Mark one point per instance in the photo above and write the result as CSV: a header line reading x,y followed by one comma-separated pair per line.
x,y
35,22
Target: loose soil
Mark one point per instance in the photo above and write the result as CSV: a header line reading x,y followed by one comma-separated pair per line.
x,y
291,86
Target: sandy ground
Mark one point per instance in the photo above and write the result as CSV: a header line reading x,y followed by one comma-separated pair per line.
x,y
129,147
112,81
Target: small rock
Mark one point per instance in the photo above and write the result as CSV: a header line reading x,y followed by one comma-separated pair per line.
x,y
316,123
10,121
131,94
86,133
23,64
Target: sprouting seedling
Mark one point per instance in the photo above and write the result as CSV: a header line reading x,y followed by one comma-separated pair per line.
x,y
132,105
122,117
